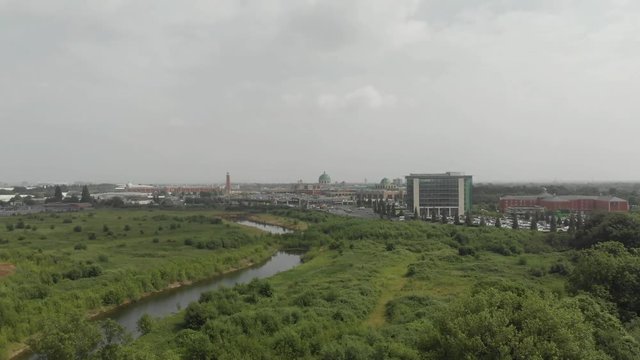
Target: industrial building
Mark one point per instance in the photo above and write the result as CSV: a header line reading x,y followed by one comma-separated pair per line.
x,y
447,194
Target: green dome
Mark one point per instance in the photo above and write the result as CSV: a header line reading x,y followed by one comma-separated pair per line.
x,y
324,178
385,182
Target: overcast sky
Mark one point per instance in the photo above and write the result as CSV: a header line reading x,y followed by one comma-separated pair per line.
x,y
183,91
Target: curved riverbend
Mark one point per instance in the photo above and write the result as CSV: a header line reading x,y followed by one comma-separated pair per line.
x,y
171,301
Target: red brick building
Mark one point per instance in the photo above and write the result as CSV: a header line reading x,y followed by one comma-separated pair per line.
x,y
574,203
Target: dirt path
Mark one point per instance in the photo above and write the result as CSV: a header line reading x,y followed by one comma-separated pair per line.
x,y
393,281
7,269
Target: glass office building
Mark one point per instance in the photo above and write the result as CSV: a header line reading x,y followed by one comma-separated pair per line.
x,y
447,194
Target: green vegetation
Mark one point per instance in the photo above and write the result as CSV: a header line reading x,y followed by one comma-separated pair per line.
x,y
372,289
92,261
380,290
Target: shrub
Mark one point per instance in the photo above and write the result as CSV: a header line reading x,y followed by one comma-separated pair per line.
x,y
466,251
92,236
80,246
559,268
9,227
411,270
156,240
127,227
522,260
77,228
67,221
145,324
537,271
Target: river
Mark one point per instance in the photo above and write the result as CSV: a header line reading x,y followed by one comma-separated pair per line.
x,y
171,301
265,227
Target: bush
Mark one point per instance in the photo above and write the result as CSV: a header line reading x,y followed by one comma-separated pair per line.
x,y
466,251
92,236
127,227
493,322
411,270
77,228
145,324
522,260
537,271
560,268
156,240
67,221
9,227
80,246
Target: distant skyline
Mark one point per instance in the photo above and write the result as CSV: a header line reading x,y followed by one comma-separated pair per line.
x,y
279,90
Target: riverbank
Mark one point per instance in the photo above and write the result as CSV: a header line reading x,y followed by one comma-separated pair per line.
x,y
22,351
287,223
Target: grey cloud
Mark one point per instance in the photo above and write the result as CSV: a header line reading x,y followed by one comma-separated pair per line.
x,y
281,90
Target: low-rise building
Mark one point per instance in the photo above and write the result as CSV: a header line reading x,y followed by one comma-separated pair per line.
x,y
570,203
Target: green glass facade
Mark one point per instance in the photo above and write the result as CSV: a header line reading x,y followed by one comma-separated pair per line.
x,y
446,194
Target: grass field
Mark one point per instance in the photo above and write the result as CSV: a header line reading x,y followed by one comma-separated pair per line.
x,y
362,295
368,289
94,260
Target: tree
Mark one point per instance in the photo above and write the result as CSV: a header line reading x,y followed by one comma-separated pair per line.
x,y
516,324
64,338
612,272
579,221
114,338
145,324
434,215
534,224
443,219
514,222
467,219
57,194
554,224
572,224
86,197
415,213
498,222
483,222
601,227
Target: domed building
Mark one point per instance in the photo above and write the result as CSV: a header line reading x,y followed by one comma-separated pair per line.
x,y
385,190
324,178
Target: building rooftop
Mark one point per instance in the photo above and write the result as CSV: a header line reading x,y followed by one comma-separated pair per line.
x,y
446,174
